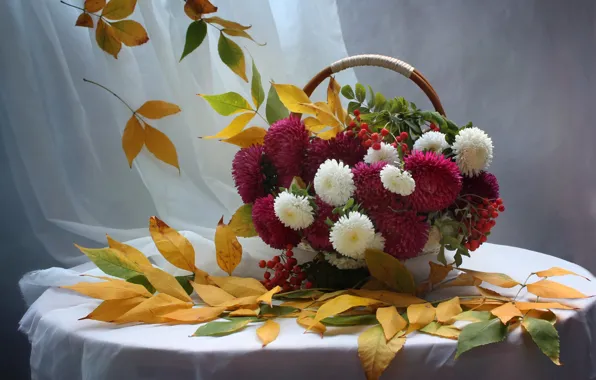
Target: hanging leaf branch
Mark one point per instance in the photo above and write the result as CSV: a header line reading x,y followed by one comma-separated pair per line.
x,y
229,51
139,133
112,30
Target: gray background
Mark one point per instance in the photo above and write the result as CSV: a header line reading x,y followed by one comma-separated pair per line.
x,y
522,70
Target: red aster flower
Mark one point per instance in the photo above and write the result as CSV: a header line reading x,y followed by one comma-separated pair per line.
x,y
484,185
370,191
317,234
342,148
285,144
269,227
438,180
405,234
248,176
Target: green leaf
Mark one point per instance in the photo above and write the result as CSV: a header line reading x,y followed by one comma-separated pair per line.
x,y
299,294
111,262
545,335
249,319
390,271
441,255
220,328
195,34
350,320
275,110
449,240
227,104
142,280
371,100
380,101
413,127
360,92
256,87
479,334
277,311
184,281
241,222
458,259
474,316
232,55
353,106
347,92
462,252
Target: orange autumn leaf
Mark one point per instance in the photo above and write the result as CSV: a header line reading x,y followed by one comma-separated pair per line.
x,y
201,277
375,352
249,136
389,297
245,312
248,302
156,109
191,12
109,290
226,23
94,5
506,312
153,309
227,248
172,245
109,310
551,289
556,271
234,128
84,20
421,314
239,286
438,272
106,39
497,279
130,32
298,304
212,295
391,321
133,139
201,6
268,332
268,297
118,9
194,315
306,320
524,306
447,310
334,100
340,304
165,283
130,252
161,146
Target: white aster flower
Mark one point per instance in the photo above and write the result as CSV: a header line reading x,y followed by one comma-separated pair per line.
x,y
473,151
431,140
352,234
433,244
343,262
387,153
378,242
334,182
293,211
397,181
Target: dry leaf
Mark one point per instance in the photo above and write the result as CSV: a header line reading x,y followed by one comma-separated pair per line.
x,y
551,289
234,128
164,282
191,12
119,9
130,32
268,332
172,245
201,277
227,248
328,296
94,5
194,315
306,320
201,6
389,297
131,253
556,271
421,314
341,304
241,33
506,312
84,20
435,328
490,293
248,302
109,310
226,24
391,321
153,309
523,306
463,279
313,125
161,146
248,137
292,97
109,290
212,295
268,297
448,309
106,39
438,272
334,100
299,304
322,114
374,284
157,109
133,139
375,352
390,271
497,279
239,287
245,312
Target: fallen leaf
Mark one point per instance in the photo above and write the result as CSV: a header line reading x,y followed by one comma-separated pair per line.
x,y
130,252
106,39
340,304
165,283
311,294
119,9
227,248
524,306
268,332
226,24
551,289
375,352
306,320
490,293
447,310
390,271
421,314
201,6
463,279
232,55
546,315
212,295
239,286
94,5
241,222
473,316
111,262
249,136
497,279
228,103
245,312
328,296
248,302
374,284
389,297
351,320
390,321
130,32
480,300
84,20
174,247
438,272
277,311
157,109
479,334
545,336
194,315
556,271
234,128
153,309
292,97
435,328
268,297
109,310
298,304
506,312
221,328
161,146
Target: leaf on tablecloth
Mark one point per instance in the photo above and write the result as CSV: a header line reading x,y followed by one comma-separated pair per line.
x,y
351,320
268,297
239,286
164,282
241,222
463,279
194,315
298,304
111,262
447,310
389,297
153,309
227,248
245,312
438,272
306,320
474,316
506,312
248,302
174,247
421,314
268,332
130,252
340,304
497,279
546,315
545,336
212,295
436,328
390,321
221,328
276,311
328,296
556,271
490,293
375,352
551,289
110,310
479,334
523,306
390,271
310,294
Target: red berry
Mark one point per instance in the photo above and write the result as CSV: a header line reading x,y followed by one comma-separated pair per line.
x,y
350,133
286,287
362,133
288,266
485,201
384,132
398,139
376,146
358,118
374,136
289,253
368,143
352,124
294,280
404,147
403,135
279,266
483,238
495,214
394,145
276,259
292,261
433,127
467,245
356,112
501,208
484,213
364,126
267,275
297,269
262,264
270,264
499,201
308,285
302,276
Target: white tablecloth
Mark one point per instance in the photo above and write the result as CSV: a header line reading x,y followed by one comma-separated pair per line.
x,y
65,348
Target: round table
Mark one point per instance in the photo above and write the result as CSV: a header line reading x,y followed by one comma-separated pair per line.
x,y
65,348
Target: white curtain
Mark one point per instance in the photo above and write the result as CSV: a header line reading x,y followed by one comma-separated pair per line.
x,y
63,136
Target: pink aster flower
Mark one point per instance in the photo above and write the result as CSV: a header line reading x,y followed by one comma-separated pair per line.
x,y
269,227
247,173
342,148
438,181
317,234
370,191
484,185
405,232
285,144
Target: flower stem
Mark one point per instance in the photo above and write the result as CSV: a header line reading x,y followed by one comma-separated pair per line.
x,y
79,8
111,92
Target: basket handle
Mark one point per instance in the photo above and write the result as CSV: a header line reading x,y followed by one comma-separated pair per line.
x,y
393,64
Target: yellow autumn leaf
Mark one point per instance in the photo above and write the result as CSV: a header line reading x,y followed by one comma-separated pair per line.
x,y
438,272
118,9
94,5
232,55
506,312
201,277
161,146
524,306
292,97
551,289
133,139
109,290
340,304
334,100
321,113
313,124
164,282
130,252
172,245
239,286
201,6
248,302
241,33
556,271
130,32
435,328
375,352
227,248
212,295
153,309
109,310
298,304
447,310
463,279
306,320
226,23
234,128
268,332
329,134
194,315
328,296
421,314
497,279
157,109
245,312
106,39
391,321
84,20
490,293
268,297
390,271
389,297
249,136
